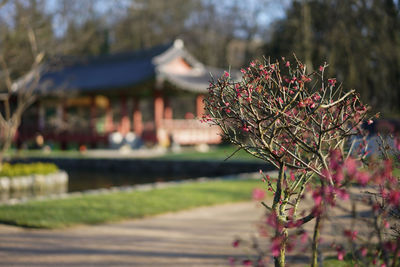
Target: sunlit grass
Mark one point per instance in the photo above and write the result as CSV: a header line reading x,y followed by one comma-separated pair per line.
x,y
95,209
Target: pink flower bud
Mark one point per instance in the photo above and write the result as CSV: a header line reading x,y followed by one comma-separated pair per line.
x,y
364,251
235,243
258,194
332,81
340,253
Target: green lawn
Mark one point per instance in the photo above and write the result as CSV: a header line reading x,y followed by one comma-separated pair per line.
x,y
337,263
95,209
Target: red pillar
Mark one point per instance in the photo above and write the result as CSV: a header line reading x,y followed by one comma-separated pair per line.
x,y
158,108
125,125
137,117
199,105
92,116
108,123
168,113
62,117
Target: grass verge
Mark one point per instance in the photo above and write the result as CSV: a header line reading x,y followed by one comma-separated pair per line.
x,y
96,209
338,263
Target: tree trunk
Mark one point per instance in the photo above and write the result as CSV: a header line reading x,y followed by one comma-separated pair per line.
x,y
280,259
314,259
307,35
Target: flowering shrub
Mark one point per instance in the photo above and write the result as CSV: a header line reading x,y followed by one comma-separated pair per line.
x,y
374,240
301,123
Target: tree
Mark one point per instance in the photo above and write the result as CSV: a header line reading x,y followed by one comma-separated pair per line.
x,y
21,53
150,23
298,122
360,40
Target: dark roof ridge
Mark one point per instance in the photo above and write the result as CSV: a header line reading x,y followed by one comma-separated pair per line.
x,y
75,61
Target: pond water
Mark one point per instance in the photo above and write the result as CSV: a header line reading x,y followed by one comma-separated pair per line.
x,y
92,173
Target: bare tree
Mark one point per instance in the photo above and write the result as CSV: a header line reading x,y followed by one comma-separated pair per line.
x,y
15,96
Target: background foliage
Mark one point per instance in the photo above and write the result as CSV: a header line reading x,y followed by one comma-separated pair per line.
x,y
359,38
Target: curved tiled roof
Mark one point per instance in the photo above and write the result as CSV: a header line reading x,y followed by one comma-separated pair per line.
x,y
126,70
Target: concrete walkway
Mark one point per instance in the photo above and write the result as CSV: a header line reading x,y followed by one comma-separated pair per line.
x,y
198,237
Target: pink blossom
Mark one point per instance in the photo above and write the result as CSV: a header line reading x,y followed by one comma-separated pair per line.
x,y
301,104
370,122
305,79
340,253
332,81
226,74
394,197
335,160
386,224
362,178
364,251
287,64
350,234
317,197
276,246
342,193
390,246
258,194
351,166
272,220
321,68
304,237
397,143
247,263
292,177
316,97
236,243
338,177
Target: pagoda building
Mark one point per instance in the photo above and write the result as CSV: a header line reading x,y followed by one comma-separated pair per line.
x,y
155,94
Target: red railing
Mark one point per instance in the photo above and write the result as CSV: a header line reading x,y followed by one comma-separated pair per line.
x,y
189,132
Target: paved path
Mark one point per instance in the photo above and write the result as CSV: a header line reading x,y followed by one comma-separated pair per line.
x,y
199,237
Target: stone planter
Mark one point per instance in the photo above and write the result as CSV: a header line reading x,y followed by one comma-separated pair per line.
x,y
33,185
